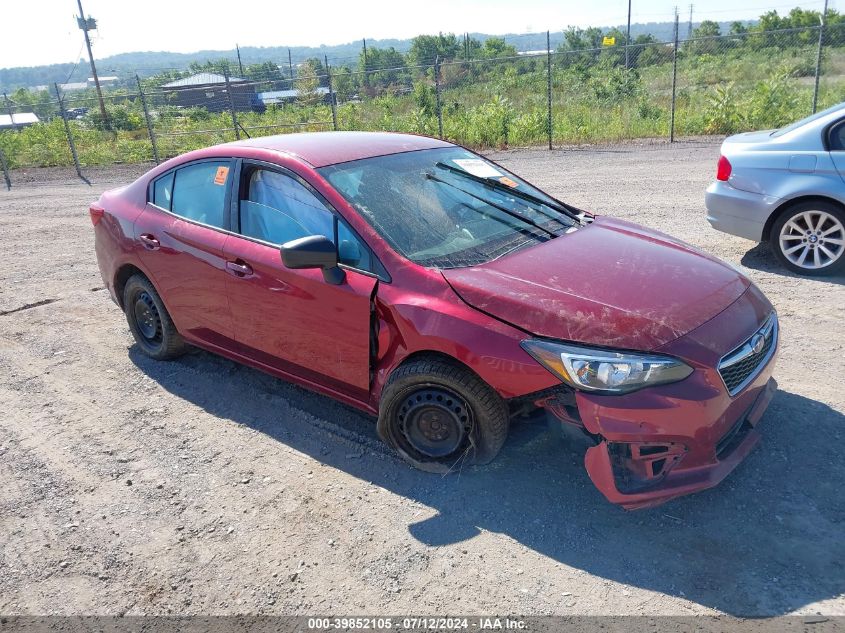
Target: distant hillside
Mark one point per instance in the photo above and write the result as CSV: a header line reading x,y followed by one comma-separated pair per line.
x,y
146,63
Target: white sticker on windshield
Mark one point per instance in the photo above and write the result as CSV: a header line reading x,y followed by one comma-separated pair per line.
x,y
477,167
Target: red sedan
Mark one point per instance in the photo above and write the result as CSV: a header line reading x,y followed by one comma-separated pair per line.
x,y
427,285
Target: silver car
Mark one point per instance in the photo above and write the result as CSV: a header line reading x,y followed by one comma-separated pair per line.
x,y
787,187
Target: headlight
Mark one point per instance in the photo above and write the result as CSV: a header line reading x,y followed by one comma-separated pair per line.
x,y
605,371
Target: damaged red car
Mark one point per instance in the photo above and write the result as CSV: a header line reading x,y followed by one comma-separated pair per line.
x,y
422,283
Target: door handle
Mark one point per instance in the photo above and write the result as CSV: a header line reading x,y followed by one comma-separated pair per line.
x,y
239,268
149,241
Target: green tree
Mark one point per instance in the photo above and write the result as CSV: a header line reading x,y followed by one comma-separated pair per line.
x,y
383,67
497,47
315,64
266,71
738,28
426,48
342,83
218,66
703,39
647,51
307,82
38,101
582,45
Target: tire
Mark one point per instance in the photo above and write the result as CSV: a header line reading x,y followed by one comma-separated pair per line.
x,y
149,321
809,238
430,398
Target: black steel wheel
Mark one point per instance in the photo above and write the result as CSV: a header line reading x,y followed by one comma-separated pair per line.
x,y
147,318
437,414
149,321
435,422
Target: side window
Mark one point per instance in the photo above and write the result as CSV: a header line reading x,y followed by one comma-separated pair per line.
x,y
278,209
836,137
163,191
199,192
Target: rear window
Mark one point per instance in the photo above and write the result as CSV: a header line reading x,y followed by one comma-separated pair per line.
x,y
809,119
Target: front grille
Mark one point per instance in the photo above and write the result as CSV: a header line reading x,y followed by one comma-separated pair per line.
x,y
741,366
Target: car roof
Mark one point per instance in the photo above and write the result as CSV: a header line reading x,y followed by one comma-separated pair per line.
x,y
328,148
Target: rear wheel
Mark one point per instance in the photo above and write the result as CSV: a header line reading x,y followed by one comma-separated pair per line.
x,y
149,321
809,238
437,415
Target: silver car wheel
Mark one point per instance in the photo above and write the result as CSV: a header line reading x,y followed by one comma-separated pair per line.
x,y
812,239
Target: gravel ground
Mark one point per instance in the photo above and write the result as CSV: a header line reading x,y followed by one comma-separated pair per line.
x,y
201,486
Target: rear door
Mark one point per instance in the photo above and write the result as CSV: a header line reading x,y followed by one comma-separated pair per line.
x,y
294,320
182,231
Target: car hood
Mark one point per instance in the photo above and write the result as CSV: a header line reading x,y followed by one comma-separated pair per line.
x,y
612,283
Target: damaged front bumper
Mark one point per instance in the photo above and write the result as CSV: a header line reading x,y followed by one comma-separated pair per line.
x,y
659,443
640,474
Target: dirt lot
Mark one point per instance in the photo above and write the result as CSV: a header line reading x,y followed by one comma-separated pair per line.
x,y
200,486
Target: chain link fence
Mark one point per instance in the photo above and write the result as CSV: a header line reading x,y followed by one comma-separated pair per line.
x,y
696,87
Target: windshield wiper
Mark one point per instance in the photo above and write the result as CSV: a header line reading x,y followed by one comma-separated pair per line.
x,y
495,184
499,207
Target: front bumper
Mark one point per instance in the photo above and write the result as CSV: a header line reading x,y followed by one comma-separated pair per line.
x,y
738,212
611,470
671,440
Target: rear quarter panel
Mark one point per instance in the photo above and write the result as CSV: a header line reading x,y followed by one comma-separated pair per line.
x,y
114,243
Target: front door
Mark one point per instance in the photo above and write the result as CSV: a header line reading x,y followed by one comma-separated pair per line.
x,y
294,320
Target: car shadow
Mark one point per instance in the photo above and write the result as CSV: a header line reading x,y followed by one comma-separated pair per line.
x,y
767,541
761,258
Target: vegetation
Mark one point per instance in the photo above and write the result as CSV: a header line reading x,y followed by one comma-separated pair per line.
x,y
730,77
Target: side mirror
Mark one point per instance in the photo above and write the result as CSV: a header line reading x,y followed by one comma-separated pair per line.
x,y
314,251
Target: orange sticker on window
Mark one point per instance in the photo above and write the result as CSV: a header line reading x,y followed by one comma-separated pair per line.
x,y
220,176
507,181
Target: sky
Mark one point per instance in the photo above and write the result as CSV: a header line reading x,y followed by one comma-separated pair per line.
x,y
36,32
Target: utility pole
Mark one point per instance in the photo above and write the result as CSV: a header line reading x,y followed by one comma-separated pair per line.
x,y
819,58
366,65
240,65
290,66
628,36
674,79
689,24
86,25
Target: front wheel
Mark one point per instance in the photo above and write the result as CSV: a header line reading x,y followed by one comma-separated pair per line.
x,y
437,415
809,238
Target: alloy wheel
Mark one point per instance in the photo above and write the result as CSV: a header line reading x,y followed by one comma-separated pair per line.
x,y
812,239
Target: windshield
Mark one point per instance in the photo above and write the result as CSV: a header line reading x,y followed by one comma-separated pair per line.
x,y
437,208
809,119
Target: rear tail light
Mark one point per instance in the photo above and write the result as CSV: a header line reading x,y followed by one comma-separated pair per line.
x,y
723,169
97,213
